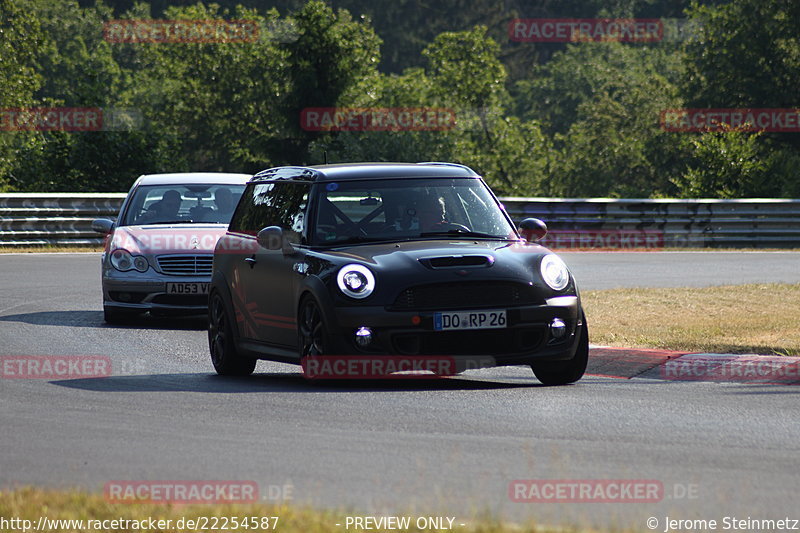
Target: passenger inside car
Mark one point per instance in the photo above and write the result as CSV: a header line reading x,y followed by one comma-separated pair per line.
x,y
225,204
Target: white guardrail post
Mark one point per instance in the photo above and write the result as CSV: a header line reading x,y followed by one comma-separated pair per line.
x,y
65,218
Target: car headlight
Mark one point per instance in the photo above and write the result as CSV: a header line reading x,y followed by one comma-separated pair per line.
x,y
123,261
554,272
356,281
140,263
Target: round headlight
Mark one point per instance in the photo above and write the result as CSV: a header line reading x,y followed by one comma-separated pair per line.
x,y
121,260
554,272
140,263
356,281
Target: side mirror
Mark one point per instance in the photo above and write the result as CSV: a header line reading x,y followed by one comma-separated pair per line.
x,y
532,229
272,238
102,225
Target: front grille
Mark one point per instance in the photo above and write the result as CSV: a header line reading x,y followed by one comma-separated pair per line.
x,y
186,265
466,295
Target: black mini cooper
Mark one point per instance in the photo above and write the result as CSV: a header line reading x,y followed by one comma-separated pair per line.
x,y
389,260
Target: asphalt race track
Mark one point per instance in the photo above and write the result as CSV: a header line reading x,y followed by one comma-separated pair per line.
x,y
447,447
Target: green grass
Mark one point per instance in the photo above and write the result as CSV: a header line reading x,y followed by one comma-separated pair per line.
x,y
32,503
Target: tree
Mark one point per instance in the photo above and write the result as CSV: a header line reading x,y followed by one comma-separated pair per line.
x,y
747,55
466,72
82,72
602,102
333,61
20,39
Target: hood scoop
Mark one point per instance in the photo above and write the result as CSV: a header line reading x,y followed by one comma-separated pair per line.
x,y
457,261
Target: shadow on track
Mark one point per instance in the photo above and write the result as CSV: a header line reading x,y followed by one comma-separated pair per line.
x,y
278,382
94,319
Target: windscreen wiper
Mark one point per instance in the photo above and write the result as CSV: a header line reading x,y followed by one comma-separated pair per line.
x,y
462,233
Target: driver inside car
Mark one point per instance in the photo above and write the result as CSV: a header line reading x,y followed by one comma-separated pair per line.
x,y
420,212
166,209
431,213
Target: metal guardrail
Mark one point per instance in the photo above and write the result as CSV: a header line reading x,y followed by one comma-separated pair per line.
x,y
54,218
65,218
634,223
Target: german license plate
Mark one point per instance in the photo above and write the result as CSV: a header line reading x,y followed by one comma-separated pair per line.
x,y
459,320
187,288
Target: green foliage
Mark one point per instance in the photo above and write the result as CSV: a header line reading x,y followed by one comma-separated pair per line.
x,y
81,71
466,73
747,55
602,102
79,65
560,119
20,38
738,164
464,76
332,62
91,161
728,166
220,101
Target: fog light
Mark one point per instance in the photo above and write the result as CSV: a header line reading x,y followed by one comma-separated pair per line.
x,y
558,328
363,336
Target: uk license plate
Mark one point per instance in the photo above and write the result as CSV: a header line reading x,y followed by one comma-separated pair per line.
x,y
185,287
460,320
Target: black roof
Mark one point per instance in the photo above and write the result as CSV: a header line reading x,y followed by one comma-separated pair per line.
x,y
359,171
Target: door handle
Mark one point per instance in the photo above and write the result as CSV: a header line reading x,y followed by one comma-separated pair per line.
x,y
251,261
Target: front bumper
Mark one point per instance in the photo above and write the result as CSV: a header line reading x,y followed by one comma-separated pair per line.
x,y
147,291
526,338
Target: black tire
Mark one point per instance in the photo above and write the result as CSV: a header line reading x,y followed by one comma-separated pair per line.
x,y
570,371
115,316
221,344
312,338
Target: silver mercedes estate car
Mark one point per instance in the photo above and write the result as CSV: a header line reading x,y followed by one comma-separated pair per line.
x,y
159,251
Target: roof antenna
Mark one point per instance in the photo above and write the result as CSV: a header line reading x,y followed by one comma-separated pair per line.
x,y
325,156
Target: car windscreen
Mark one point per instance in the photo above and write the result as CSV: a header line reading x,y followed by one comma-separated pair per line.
x,y
184,203
410,208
